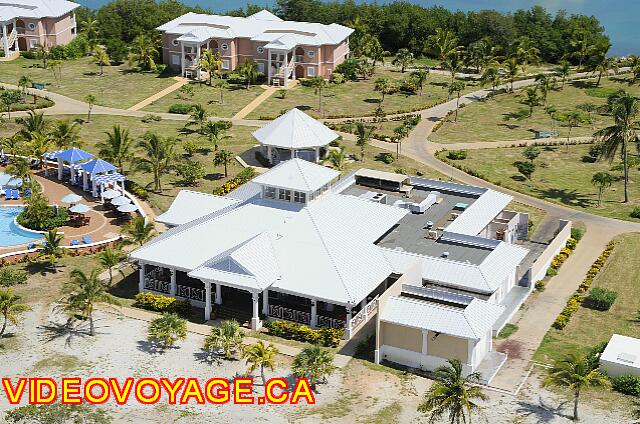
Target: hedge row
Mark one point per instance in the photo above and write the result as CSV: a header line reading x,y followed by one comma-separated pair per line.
x,y
161,303
558,260
573,304
244,176
325,336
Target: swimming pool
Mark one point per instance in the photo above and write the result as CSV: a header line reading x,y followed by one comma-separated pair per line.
x,y
10,233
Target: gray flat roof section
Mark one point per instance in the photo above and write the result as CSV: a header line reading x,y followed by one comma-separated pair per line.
x,y
409,233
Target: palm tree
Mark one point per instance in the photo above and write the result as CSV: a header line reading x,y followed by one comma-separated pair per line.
x,y
39,145
319,83
11,309
167,330
144,52
249,71
8,98
109,258
624,107
91,31
24,82
33,123
456,88
157,157
223,158
583,47
453,64
43,53
82,293
90,100
452,394
602,180
260,356
314,363
222,85
419,76
117,146
211,63
602,66
576,373
526,53
491,75
50,249
545,84
139,230
512,68
338,158
572,119
65,134
383,85
531,99
19,168
444,42
215,132
363,134
227,338
563,71
101,58
404,59
198,115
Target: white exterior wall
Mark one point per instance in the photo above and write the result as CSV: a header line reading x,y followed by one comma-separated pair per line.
x,y
415,359
615,369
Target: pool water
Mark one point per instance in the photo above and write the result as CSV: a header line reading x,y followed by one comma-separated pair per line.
x,y
10,233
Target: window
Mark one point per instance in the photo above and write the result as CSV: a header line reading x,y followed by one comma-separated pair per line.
x,y
260,49
175,59
284,194
175,42
225,46
311,53
31,26
261,67
311,71
299,197
33,43
225,64
270,192
188,49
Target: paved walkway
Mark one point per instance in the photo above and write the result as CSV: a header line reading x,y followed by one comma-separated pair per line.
x,y
180,81
12,56
268,92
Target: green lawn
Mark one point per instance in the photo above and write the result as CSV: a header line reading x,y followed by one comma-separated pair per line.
x,y
120,86
485,120
560,176
235,98
356,98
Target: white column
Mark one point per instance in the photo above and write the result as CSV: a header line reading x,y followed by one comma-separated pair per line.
x,y
255,320
123,186
425,341
5,41
173,287
269,154
85,181
198,61
218,294
470,353
348,326
363,307
317,154
207,300
181,59
269,67
60,168
141,278
293,153
265,303
314,313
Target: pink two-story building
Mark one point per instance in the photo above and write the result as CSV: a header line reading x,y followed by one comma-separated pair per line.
x,y
25,24
282,50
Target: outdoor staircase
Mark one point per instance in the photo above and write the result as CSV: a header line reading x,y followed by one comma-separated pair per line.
x,y
230,312
13,37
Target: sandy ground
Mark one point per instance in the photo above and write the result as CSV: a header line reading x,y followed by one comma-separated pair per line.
x,y
359,393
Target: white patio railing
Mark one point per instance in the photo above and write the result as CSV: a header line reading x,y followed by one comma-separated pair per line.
x,y
191,293
282,312
365,314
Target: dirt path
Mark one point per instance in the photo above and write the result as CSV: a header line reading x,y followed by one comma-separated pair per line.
x,y
160,94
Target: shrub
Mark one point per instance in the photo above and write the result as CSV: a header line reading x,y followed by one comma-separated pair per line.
x,y
28,54
328,337
386,158
136,189
245,175
181,108
77,48
571,243
337,78
151,118
160,303
457,154
577,233
191,172
38,223
190,147
12,277
601,299
58,52
626,384
635,213
551,272
540,285
348,68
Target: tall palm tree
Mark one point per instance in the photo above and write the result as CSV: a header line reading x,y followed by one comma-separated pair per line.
x,y
545,85
11,309
512,68
453,64
144,52
583,47
602,180
109,258
624,107
452,395
34,122
211,63
602,66
491,75
91,30
249,71
167,329
226,338
572,119
404,59
19,168
531,99
222,84
117,147
456,88
81,294
383,85
563,71
24,82
315,363
65,134
444,43
39,145
139,230
198,115
101,58
526,53
338,158
419,76
223,158
576,373
90,100
319,83
50,249
363,134
260,356
157,156
215,132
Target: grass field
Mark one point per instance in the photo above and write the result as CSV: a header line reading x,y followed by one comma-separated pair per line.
x,y
120,86
235,98
485,120
560,176
356,98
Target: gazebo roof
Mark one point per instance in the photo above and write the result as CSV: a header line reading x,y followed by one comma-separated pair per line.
x,y
97,166
295,130
73,155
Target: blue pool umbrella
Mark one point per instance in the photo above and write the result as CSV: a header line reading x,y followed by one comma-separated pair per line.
x,y
97,166
128,208
120,200
111,194
71,198
79,208
73,155
7,181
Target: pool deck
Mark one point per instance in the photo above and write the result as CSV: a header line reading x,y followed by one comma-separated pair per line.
x,y
101,227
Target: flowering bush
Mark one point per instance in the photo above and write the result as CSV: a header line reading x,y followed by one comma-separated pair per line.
x,y
325,336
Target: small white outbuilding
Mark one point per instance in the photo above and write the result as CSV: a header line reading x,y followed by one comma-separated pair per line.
x,y
621,356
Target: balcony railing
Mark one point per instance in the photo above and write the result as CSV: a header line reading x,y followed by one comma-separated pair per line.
x,y
157,285
331,322
364,314
289,314
191,293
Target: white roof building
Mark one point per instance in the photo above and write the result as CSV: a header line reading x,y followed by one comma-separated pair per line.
x,y
621,356
189,205
298,175
36,9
